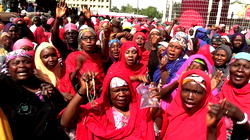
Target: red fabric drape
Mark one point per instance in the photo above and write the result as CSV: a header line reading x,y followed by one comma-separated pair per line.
x,y
239,97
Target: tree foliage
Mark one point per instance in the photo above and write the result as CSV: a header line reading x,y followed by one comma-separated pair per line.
x,y
150,11
128,9
114,9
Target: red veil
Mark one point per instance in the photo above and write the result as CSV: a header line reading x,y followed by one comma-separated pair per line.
x,y
137,69
179,124
97,122
239,97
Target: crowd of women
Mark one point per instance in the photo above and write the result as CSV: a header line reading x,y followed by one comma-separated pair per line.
x,y
82,78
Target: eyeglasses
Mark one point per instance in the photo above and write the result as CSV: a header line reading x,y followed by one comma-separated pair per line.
x,y
85,38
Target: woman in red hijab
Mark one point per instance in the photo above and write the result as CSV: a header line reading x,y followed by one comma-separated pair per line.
x,y
91,58
186,115
236,92
130,63
140,39
116,115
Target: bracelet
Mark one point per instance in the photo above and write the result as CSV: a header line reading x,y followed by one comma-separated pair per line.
x,y
82,95
244,120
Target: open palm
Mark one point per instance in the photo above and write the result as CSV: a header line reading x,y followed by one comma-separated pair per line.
x,y
61,9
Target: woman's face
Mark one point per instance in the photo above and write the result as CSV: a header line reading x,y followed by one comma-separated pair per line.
x,y
131,56
220,58
155,35
20,68
105,27
120,97
216,42
6,41
161,50
26,48
49,58
191,32
88,41
13,33
195,65
192,95
140,40
115,50
174,51
237,42
240,73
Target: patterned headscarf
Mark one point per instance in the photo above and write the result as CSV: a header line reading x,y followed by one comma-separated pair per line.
x,y
117,82
195,78
111,42
88,29
17,53
181,38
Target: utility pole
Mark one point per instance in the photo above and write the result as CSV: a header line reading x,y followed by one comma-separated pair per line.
x,y
164,11
209,11
219,13
170,10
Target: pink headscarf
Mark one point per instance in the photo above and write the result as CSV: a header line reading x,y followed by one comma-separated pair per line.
x,y
22,42
50,21
70,27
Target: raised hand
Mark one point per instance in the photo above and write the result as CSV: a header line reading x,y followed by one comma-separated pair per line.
x,y
216,79
86,12
61,9
163,62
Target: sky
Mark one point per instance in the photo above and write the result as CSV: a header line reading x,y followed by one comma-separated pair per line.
x,y
141,3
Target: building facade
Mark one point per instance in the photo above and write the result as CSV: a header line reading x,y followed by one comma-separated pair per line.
x,y
94,5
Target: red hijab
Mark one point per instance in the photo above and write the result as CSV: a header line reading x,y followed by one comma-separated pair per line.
x,y
205,50
179,123
97,122
145,53
92,62
121,65
239,97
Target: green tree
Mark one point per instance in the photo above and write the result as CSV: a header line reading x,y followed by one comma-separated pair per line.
x,y
151,12
114,9
128,9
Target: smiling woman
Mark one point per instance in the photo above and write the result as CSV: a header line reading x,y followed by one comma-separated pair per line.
x,y
236,91
30,102
221,57
50,69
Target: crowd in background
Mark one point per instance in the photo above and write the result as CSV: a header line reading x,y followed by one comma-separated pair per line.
x,y
88,77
